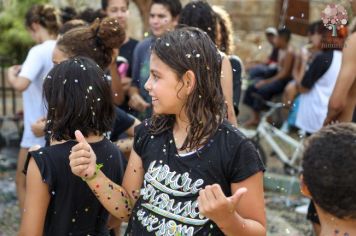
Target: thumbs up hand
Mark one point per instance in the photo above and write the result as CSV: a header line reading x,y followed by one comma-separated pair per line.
x,y
82,159
214,205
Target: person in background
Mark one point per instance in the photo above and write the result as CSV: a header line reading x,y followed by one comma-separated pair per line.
x,y
265,88
120,10
42,22
304,57
342,104
318,83
225,43
164,15
71,25
68,14
201,15
89,15
269,67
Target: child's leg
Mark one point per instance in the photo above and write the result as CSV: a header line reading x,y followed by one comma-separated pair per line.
x,y
21,178
250,100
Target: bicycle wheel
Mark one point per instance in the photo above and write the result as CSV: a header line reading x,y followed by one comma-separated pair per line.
x,y
256,142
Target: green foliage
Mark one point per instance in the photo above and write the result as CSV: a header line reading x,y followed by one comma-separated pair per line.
x,y
15,41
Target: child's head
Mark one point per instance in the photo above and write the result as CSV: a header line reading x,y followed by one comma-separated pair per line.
x,y
89,15
200,14
271,34
42,17
96,42
164,16
69,25
315,34
118,9
78,98
185,79
329,166
283,37
68,14
224,31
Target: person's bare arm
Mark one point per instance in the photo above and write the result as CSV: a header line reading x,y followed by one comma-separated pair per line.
x,y
38,127
116,85
19,83
227,87
342,100
286,67
36,203
118,200
243,213
130,131
284,73
299,67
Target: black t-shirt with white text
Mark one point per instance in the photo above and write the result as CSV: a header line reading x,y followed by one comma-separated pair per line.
x,y
168,201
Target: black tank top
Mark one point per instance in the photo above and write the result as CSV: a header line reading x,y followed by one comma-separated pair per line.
x,y
73,208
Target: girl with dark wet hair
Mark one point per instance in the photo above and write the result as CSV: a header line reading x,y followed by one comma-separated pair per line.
x,y
57,202
190,171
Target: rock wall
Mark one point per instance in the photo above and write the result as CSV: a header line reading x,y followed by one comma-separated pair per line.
x,y
249,17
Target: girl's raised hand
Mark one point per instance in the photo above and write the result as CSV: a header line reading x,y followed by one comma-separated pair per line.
x,y
82,159
214,205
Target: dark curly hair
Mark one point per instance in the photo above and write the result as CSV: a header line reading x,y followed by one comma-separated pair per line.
x,y
45,15
68,13
193,50
89,15
78,98
96,42
201,15
69,25
226,44
329,166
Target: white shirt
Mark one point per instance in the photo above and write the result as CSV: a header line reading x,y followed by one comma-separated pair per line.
x,y
313,105
36,66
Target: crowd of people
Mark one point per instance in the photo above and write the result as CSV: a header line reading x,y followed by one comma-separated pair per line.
x,y
146,132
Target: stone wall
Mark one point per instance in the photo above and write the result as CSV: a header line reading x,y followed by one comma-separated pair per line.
x,y
249,17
